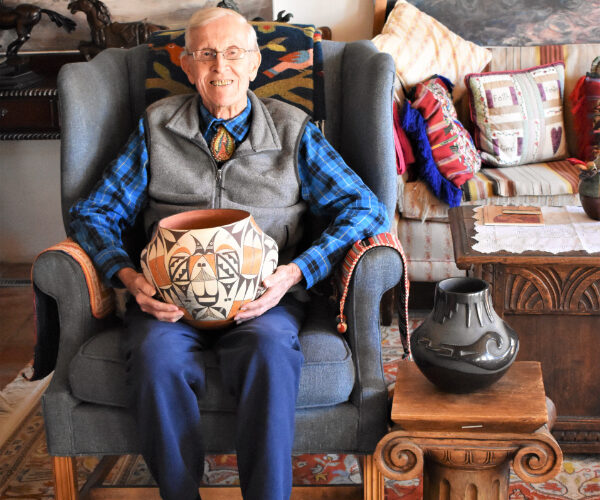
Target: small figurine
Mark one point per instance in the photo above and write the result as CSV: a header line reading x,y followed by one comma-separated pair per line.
x,y
229,4
106,33
23,18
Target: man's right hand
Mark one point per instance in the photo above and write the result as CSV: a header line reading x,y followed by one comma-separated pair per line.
x,y
143,292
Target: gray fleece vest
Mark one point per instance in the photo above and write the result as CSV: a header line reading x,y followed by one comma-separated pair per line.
x,y
261,177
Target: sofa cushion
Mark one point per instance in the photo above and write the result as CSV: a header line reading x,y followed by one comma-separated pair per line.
x,y
518,115
98,375
576,57
422,46
553,184
452,148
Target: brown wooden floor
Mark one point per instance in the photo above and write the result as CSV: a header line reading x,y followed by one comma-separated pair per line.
x,y
16,322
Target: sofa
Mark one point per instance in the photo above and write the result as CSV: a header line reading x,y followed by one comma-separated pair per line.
x,y
422,221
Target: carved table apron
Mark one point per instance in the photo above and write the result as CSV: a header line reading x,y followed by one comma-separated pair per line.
x,y
553,302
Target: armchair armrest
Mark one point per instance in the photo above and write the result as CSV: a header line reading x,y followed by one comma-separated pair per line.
x,y
71,304
379,267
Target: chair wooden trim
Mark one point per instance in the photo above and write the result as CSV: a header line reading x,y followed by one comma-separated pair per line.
x,y
65,485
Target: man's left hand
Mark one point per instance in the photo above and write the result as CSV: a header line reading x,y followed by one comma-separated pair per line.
x,y
277,286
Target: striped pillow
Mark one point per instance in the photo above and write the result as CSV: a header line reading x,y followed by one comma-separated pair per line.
x,y
518,115
422,46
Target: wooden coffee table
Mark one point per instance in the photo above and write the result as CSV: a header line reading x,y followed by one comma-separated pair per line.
x,y
463,444
553,302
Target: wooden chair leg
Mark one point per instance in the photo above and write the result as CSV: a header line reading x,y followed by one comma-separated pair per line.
x,y
65,478
373,485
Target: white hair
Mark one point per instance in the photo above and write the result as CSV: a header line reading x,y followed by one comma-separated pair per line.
x,y
207,15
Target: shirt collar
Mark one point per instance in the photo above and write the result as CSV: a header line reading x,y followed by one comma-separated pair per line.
x,y
237,126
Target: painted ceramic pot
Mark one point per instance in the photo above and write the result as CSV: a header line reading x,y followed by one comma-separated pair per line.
x,y
209,263
463,345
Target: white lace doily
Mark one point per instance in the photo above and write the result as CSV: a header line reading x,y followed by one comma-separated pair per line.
x,y
565,229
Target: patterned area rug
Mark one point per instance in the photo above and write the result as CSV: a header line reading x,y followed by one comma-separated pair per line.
x,y
26,472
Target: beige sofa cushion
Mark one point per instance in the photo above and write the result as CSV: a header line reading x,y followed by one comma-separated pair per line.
x,y
422,46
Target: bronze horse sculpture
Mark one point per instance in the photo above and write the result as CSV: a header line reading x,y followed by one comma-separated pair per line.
x,y
23,18
106,33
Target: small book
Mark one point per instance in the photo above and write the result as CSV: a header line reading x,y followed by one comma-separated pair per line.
x,y
495,215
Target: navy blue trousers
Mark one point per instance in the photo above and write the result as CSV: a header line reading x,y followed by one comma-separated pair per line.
x,y
260,362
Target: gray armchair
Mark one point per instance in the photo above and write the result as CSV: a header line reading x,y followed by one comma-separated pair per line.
x,y
342,406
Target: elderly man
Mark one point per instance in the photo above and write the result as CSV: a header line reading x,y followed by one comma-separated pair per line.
x,y
223,148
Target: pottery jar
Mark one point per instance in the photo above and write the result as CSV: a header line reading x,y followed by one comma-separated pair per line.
x,y
463,345
209,263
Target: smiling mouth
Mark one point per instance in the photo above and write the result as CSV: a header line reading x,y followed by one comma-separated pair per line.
x,y
221,83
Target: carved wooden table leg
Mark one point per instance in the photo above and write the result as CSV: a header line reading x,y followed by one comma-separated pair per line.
x,y
468,465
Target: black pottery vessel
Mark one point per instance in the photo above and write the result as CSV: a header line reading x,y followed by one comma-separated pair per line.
x,y
463,345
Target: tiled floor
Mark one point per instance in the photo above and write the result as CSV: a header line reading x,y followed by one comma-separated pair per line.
x,y
16,322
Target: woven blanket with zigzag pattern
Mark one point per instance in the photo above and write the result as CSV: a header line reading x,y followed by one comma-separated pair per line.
x,y
291,69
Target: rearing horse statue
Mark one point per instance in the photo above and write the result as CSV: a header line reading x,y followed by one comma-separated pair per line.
x,y
23,18
105,33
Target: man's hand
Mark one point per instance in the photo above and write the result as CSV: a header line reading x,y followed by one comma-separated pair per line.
x,y
277,285
143,291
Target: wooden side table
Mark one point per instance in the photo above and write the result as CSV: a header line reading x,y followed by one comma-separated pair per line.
x,y
553,302
464,444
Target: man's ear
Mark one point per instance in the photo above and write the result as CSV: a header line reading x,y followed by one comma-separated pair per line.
x,y
186,66
256,59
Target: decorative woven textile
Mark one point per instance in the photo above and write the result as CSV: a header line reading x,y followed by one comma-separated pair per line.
x,y
451,145
291,69
422,46
586,111
550,178
518,115
347,269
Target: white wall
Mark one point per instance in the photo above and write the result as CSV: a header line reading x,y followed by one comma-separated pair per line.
x,y
348,19
30,214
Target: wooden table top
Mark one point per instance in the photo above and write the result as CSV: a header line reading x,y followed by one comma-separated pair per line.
x,y
515,403
462,226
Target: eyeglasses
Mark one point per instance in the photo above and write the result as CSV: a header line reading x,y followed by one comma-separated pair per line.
x,y
230,53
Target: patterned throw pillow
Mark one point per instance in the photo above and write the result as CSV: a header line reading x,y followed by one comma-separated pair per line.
x,y
452,148
422,46
518,115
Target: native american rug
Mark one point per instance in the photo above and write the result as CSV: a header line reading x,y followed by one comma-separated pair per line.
x,y
26,471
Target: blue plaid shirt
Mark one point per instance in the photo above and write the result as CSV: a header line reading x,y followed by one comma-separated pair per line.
x,y
328,185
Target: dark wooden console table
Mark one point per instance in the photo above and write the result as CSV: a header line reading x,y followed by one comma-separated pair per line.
x,y
553,302
32,113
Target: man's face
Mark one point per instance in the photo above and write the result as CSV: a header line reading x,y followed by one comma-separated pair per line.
x,y
222,83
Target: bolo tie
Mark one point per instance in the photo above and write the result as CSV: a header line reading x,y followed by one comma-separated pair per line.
x,y
222,145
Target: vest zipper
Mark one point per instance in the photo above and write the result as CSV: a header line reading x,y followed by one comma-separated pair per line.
x,y
219,179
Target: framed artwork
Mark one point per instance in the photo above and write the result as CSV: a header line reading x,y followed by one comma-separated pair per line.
x,y
518,22
47,37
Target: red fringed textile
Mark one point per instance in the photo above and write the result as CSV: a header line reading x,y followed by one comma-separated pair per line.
x,y
404,154
586,111
347,269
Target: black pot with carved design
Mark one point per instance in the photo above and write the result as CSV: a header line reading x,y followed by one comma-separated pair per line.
x,y
463,345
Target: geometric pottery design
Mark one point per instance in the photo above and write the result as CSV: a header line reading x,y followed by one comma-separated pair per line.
x,y
209,263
